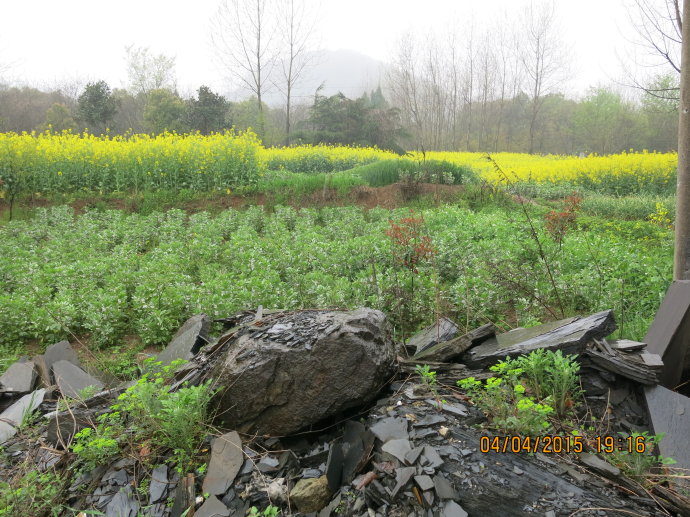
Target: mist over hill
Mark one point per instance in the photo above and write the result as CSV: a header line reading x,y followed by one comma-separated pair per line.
x,y
346,71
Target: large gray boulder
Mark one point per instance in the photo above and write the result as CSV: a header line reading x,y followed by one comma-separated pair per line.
x,y
289,370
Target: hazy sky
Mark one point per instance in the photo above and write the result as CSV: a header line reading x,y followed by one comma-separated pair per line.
x,y
49,41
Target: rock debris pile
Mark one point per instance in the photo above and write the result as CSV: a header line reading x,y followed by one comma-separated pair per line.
x,y
320,413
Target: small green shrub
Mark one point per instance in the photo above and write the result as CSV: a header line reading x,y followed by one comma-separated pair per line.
x,y
639,465
387,172
35,493
99,445
504,401
551,374
173,419
428,377
149,411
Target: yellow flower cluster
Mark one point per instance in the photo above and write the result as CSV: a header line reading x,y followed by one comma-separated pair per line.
x,y
631,169
69,162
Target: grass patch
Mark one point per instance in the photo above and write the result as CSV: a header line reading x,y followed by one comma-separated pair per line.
x,y
387,172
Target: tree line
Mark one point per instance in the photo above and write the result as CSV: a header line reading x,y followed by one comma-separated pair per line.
x,y
601,122
471,88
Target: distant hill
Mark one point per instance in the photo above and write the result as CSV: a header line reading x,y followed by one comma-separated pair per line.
x,y
346,71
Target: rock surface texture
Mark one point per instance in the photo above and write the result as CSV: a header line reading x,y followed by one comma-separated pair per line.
x,y
290,370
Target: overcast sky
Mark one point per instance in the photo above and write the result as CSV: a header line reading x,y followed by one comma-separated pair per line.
x,y
49,41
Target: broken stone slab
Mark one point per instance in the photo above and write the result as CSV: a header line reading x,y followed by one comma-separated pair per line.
x,y
452,509
187,341
412,456
42,370
328,361
455,409
226,461
629,365
424,482
431,458
212,507
72,380
159,484
64,425
429,420
402,477
626,345
19,377
599,465
61,351
185,495
570,335
123,504
444,490
334,466
11,419
358,444
669,333
446,373
651,361
311,495
442,330
47,459
268,464
448,351
397,448
669,413
390,428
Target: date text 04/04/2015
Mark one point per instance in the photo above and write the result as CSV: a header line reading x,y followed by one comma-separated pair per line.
x,y
554,444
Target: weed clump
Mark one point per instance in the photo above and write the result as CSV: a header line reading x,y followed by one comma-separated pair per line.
x,y
148,412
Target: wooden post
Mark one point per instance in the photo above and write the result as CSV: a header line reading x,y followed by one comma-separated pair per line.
x,y
681,259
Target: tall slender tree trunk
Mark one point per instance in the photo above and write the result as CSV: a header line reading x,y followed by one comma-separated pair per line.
x,y
287,117
681,259
259,85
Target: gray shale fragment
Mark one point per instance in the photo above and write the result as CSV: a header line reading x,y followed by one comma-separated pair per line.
x,y
187,341
19,377
71,379
226,461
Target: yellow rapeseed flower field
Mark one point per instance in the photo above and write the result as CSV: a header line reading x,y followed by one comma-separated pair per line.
x,y
69,162
641,170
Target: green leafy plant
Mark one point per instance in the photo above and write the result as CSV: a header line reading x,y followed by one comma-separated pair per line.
x,y
504,399
174,419
640,465
34,493
101,444
269,511
149,411
427,375
551,374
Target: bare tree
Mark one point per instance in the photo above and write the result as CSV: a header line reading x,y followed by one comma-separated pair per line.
x,y
469,84
242,35
404,82
658,26
148,72
454,85
296,29
543,56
